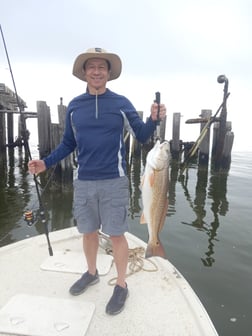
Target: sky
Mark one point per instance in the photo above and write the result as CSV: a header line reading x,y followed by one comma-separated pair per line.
x,y
178,48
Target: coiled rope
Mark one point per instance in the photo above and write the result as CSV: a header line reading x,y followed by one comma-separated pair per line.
x,y
136,259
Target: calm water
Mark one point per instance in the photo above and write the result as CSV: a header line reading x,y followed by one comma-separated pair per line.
x,y
207,234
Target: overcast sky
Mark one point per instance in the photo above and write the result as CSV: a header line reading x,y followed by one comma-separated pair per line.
x,y
177,47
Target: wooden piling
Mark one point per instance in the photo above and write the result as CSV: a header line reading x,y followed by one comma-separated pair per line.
x,y
67,163
10,127
55,140
44,129
55,135
217,150
163,128
203,158
2,134
215,138
223,161
50,135
135,145
227,148
175,143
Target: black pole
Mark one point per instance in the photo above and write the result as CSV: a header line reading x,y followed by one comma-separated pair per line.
x,y
217,156
27,148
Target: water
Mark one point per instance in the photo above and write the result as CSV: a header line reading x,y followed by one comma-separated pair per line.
x,y
207,234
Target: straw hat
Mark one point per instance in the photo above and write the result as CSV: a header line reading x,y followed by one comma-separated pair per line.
x,y
113,59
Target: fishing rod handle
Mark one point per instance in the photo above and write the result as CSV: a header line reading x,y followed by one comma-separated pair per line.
x,y
157,98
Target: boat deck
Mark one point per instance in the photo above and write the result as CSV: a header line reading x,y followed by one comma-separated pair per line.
x,y
161,302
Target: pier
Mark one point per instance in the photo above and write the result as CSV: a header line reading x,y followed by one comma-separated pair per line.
x,y
50,134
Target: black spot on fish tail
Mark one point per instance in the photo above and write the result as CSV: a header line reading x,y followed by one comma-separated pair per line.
x,y
155,250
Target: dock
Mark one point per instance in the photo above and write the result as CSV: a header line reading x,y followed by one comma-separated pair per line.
x,y
199,151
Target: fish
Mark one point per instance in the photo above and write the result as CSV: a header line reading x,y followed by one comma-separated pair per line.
x,y
154,188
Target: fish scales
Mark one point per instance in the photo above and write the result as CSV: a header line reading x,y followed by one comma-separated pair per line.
x,y
159,202
155,185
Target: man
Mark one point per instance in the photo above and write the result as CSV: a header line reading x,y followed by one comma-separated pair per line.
x,y
95,123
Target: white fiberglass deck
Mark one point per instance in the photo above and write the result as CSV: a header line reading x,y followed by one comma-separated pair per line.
x,y
160,302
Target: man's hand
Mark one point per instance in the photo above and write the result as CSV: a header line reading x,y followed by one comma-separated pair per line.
x,y
154,111
36,166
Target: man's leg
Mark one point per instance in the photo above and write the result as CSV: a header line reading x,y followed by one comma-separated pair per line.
x,y
91,277
120,253
120,293
90,248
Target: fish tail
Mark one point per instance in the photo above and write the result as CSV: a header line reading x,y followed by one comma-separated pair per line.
x,y
156,250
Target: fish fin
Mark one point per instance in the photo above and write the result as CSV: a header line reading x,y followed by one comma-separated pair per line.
x,y
142,219
155,251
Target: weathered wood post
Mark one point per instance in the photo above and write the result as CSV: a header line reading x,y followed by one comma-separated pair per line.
x,y
8,106
134,176
223,162
227,148
10,127
2,134
175,144
55,140
217,151
2,122
67,163
203,158
215,138
136,146
163,128
44,128
55,135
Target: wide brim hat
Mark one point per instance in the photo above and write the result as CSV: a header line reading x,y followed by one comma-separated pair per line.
x,y
113,59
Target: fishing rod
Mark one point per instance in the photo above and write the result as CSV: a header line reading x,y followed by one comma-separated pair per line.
x,y
221,79
29,218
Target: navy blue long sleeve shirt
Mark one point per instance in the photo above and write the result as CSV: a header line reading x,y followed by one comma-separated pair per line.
x,y
95,125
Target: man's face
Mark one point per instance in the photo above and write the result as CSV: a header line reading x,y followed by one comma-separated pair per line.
x,y
96,74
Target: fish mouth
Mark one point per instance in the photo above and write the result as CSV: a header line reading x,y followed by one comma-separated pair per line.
x,y
165,145
159,155
161,142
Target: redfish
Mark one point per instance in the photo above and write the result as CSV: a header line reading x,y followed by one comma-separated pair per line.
x,y
155,186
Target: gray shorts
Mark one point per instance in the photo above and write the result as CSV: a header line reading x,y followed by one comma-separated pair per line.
x,y
102,205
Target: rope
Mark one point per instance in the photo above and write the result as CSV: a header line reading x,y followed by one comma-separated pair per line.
x,y
136,259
